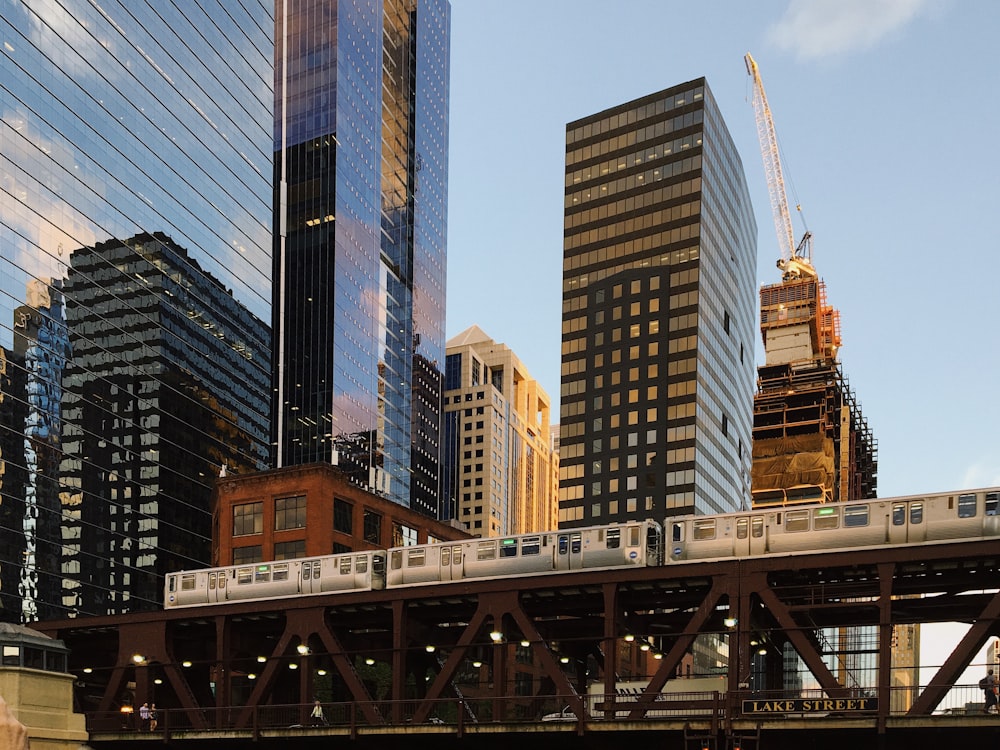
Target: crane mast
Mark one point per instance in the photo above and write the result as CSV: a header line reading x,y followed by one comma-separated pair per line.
x,y
795,260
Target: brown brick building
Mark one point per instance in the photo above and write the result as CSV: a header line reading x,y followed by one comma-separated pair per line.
x,y
309,510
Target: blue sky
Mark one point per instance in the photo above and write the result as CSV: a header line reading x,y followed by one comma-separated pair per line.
x,y
887,114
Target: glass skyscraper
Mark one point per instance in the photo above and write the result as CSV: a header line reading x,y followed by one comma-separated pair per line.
x,y
659,313
135,255
361,144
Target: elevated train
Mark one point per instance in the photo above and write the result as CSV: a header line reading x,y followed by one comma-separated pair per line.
x,y
790,529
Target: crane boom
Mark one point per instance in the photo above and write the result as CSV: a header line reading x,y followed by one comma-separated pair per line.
x,y
795,259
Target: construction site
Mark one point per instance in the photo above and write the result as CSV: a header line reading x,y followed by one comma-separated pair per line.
x,y
811,442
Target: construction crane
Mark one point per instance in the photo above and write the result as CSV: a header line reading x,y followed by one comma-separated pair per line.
x,y
796,260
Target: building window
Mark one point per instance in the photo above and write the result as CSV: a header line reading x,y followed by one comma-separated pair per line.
x,y
343,516
403,536
243,555
373,527
288,550
248,518
290,513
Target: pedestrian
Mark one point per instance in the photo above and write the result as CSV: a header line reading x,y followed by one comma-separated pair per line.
x,y
989,686
152,718
144,717
317,716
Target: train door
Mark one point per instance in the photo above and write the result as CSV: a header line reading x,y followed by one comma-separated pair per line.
x,y
451,563
758,535
741,537
569,550
217,586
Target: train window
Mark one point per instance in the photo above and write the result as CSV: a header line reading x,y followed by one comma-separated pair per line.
x,y
992,503
563,544
678,533
797,520
456,555
966,506
742,528
244,575
416,558
345,565
361,564
531,546
222,580
486,551
856,515
211,581
280,572
262,573
576,543
614,539
898,514
396,559
446,555
704,529
757,527
633,536
825,518
508,548
187,582
306,572
916,513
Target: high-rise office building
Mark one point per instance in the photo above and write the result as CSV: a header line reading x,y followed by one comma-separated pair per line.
x,y
498,453
135,253
360,165
659,313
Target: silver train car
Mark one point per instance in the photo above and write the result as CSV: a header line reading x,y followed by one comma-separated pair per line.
x,y
776,530
598,547
804,528
352,571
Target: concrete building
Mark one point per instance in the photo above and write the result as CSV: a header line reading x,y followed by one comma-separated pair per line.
x,y
360,169
36,693
658,313
135,191
498,455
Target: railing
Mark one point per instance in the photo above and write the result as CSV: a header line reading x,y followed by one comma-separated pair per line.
x,y
451,713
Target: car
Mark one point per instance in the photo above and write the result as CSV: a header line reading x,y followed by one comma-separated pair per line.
x,y
566,714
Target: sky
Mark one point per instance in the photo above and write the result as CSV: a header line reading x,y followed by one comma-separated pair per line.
x,y
887,114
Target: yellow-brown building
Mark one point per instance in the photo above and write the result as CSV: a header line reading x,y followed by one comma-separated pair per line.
x,y
38,691
498,458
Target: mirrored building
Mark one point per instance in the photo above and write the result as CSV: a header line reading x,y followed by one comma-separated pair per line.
x,y
135,260
361,145
659,313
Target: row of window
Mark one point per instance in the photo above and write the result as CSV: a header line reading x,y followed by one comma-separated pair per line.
x,y
830,517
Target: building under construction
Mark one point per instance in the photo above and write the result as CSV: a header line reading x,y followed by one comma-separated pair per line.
x,y
810,440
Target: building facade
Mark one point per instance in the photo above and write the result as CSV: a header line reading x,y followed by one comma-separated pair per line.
x,y
135,249
498,454
310,510
658,314
360,169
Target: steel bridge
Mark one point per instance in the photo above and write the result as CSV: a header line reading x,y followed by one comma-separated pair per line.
x,y
477,656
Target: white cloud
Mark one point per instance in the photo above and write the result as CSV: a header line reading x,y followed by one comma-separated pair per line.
x,y
985,473
824,28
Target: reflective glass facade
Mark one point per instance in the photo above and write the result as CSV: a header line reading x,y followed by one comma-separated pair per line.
x,y
135,253
361,142
659,313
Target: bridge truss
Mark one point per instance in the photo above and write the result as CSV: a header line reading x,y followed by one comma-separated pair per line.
x,y
396,654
